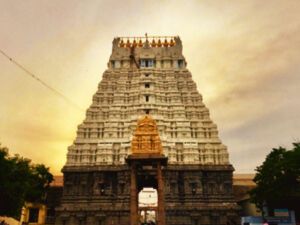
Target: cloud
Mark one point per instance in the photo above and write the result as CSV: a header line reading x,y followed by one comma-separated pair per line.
x,y
243,56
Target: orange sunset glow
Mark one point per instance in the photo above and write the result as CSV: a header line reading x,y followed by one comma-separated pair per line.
x,y
243,55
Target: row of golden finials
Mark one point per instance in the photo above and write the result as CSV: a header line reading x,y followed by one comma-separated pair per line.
x,y
153,44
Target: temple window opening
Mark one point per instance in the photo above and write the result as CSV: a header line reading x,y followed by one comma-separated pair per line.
x,y
147,98
147,63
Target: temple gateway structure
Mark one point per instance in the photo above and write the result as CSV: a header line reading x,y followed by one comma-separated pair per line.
x,y
147,127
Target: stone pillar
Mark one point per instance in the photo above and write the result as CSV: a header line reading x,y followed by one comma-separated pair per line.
x,y
145,215
161,220
133,197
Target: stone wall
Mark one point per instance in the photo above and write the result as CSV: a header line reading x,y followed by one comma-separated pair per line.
x,y
193,195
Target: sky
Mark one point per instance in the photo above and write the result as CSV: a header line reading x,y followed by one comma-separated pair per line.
x,y
243,54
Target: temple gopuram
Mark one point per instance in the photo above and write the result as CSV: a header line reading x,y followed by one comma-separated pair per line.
x,y
147,127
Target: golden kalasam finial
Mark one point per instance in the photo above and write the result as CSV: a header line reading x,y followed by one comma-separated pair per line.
x,y
134,44
140,43
172,43
153,44
122,44
128,43
146,138
166,44
159,43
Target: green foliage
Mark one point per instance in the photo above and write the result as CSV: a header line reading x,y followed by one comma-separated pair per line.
x,y
20,181
278,179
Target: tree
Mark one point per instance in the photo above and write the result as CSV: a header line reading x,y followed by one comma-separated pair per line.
x,y
278,180
20,181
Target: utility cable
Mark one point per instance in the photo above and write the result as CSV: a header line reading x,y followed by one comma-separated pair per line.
x,y
36,78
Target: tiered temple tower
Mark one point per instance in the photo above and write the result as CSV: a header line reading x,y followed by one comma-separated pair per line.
x,y
147,76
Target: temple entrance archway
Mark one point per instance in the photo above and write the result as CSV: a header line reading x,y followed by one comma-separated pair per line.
x,y
146,171
146,163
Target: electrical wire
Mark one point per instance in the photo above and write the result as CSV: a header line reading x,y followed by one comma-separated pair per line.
x,y
36,78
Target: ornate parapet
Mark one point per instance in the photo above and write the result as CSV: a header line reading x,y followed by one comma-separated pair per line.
x,y
162,52
147,41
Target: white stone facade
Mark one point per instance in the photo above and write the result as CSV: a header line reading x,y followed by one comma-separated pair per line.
x,y
147,80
